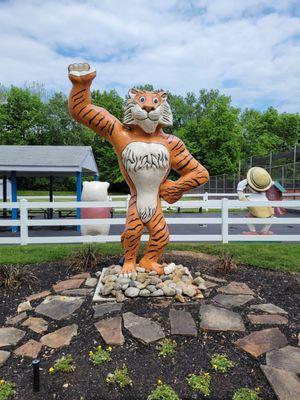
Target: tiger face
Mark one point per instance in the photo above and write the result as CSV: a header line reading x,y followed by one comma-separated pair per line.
x,y
147,110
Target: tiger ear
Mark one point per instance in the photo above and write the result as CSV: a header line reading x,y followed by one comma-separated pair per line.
x,y
163,95
132,92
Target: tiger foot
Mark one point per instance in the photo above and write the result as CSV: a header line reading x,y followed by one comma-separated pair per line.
x,y
151,266
128,270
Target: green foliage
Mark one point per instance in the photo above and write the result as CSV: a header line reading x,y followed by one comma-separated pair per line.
x,y
163,392
100,356
7,390
166,347
200,383
119,377
221,363
246,394
13,276
65,364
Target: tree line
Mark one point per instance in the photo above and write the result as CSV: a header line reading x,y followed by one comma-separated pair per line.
x,y
218,134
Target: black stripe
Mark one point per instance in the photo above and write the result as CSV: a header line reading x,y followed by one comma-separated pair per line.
x,y
84,115
187,163
112,128
74,95
101,119
179,143
133,220
82,109
94,117
156,233
78,104
77,98
103,127
132,229
157,222
184,158
181,151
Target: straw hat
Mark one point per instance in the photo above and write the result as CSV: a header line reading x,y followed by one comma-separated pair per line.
x,y
259,179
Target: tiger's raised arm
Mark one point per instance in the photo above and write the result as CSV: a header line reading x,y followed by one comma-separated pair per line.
x,y
80,107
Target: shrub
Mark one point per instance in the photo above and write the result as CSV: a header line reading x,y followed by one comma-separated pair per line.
x,y
85,259
65,364
200,383
163,392
221,363
226,262
13,276
120,377
166,347
7,390
100,356
246,394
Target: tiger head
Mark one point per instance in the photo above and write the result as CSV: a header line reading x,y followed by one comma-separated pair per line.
x,y
148,110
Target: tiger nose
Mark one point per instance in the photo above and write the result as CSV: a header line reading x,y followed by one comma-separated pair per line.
x,y
149,108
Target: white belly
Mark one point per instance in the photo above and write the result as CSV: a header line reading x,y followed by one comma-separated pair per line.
x,y
147,164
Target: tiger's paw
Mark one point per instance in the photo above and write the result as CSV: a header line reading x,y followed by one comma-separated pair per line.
x,y
128,270
81,72
150,265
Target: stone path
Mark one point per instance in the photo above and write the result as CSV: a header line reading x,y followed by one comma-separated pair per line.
x,y
214,297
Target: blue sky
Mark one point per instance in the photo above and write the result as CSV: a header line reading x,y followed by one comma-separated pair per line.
x,y
249,49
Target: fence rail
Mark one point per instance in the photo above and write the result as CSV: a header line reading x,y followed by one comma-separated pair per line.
x,y
224,205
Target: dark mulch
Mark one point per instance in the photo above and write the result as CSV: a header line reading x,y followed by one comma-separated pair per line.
x,y
193,355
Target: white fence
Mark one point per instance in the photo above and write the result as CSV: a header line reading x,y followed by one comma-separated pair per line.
x,y
24,223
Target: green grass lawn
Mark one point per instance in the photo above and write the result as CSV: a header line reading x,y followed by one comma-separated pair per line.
x,y
276,256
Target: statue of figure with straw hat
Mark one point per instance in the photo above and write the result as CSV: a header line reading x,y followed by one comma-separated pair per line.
x,y
258,181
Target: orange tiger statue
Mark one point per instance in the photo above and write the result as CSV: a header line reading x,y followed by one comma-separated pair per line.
x,y
146,154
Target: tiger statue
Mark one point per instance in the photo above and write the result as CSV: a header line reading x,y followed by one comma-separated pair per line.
x,y
146,154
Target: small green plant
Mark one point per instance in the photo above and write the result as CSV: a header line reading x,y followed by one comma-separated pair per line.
x,y
163,392
200,383
100,356
221,363
65,364
7,390
246,394
166,347
13,276
119,377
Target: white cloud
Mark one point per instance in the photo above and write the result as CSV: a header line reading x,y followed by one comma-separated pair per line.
x,y
248,49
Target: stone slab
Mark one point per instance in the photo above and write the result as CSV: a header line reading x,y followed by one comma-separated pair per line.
x,y
111,331
232,300
38,296
30,349
220,319
68,284
260,342
267,319
38,325
59,307
214,279
106,308
10,336
4,356
268,308
77,292
25,306
143,329
285,384
287,358
16,319
60,338
236,288
182,323
91,282
83,275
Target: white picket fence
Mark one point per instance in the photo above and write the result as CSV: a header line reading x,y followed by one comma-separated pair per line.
x,y
24,223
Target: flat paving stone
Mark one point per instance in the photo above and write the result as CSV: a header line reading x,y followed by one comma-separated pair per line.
x,y
206,285
143,329
10,336
232,300
111,331
38,325
236,288
59,307
285,384
268,308
30,349
182,323
287,358
4,356
24,306
68,284
220,319
106,308
38,296
77,292
214,279
83,275
260,342
267,319
60,338
16,319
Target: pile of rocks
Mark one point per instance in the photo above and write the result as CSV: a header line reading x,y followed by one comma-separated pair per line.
x,y
176,281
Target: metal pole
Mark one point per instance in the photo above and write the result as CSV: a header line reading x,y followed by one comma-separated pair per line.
x,y
96,177
51,190
36,375
78,195
294,170
4,185
14,198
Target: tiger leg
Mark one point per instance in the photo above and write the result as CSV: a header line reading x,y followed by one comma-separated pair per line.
x,y
130,238
158,240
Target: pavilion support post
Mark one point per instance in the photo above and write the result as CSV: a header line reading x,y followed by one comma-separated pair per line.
x,y
78,194
14,198
51,196
4,193
96,177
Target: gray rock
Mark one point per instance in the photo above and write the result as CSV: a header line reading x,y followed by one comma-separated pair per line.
x,y
132,284
25,306
10,336
145,293
151,288
152,273
287,358
267,319
132,292
232,300
168,291
59,307
285,384
219,319
140,269
16,319
214,279
120,297
182,323
107,288
61,337
164,278
236,288
4,356
106,308
268,308
77,292
157,293
111,331
154,280
160,285
122,280
125,286
91,282
189,290
198,280
118,286
143,329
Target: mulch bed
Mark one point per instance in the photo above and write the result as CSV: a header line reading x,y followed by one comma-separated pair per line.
x,y
145,367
